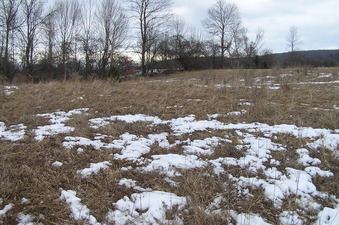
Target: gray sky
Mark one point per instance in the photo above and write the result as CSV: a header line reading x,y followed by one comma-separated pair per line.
x,y
317,21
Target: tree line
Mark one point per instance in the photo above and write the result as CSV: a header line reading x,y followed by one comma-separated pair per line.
x,y
97,38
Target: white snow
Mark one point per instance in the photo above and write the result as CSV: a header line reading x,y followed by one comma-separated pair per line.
x,y
246,103
57,120
94,168
129,183
9,89
13,133
203,147
174,107
289,217
152,204
212,116
132,147
319,82
278,185
50,130
25,201
237,113
325,75
79,211
78,98
57,164
167,164
59,117
23,219
305,159
328,141
6,209
328,216
71,142
100,122
255,141
316,171
248,219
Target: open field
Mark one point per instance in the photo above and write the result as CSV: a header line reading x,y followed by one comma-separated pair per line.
x,y
208,147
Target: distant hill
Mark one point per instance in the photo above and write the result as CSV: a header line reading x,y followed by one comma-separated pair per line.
x,y
312,57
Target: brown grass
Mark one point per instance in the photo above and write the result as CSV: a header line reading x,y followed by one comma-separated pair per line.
x,y
25,166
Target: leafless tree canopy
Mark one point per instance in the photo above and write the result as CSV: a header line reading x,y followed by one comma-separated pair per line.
x,y
222,19
67,22
293,39
151,16
58,38
113,26
33,13
9,23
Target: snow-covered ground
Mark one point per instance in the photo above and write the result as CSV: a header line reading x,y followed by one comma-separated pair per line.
x,y
278,184
258,142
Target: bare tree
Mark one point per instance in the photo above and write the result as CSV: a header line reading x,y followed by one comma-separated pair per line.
x,y
222,16
151,16
179,28
238,38
49,33
87,38
68,20
252,47
2,40
293,39
9,10
33,19
113,25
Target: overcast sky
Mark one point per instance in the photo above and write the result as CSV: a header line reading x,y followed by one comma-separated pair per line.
x,y
317,21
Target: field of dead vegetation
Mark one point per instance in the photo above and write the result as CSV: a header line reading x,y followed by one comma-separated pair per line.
x,y
207,147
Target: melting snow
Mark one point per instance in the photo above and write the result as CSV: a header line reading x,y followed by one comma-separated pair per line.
x,y
79,211
9,89
94,168
289,217
168,164
25,219
328,216
13,133
325,75
149,207
152,204
57,164
57,120
100,122
6,209
129,183
247,219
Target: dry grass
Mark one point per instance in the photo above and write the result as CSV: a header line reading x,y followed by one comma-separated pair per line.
x,y
25,170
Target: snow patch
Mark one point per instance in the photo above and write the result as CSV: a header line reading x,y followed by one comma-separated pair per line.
x,y
13,133
6,209
8,90
328,216
57,120
129,183
23,219
79,211
247,219
71,142
57,164
152,204
101,122
328,141
94,168
167,164
305,159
